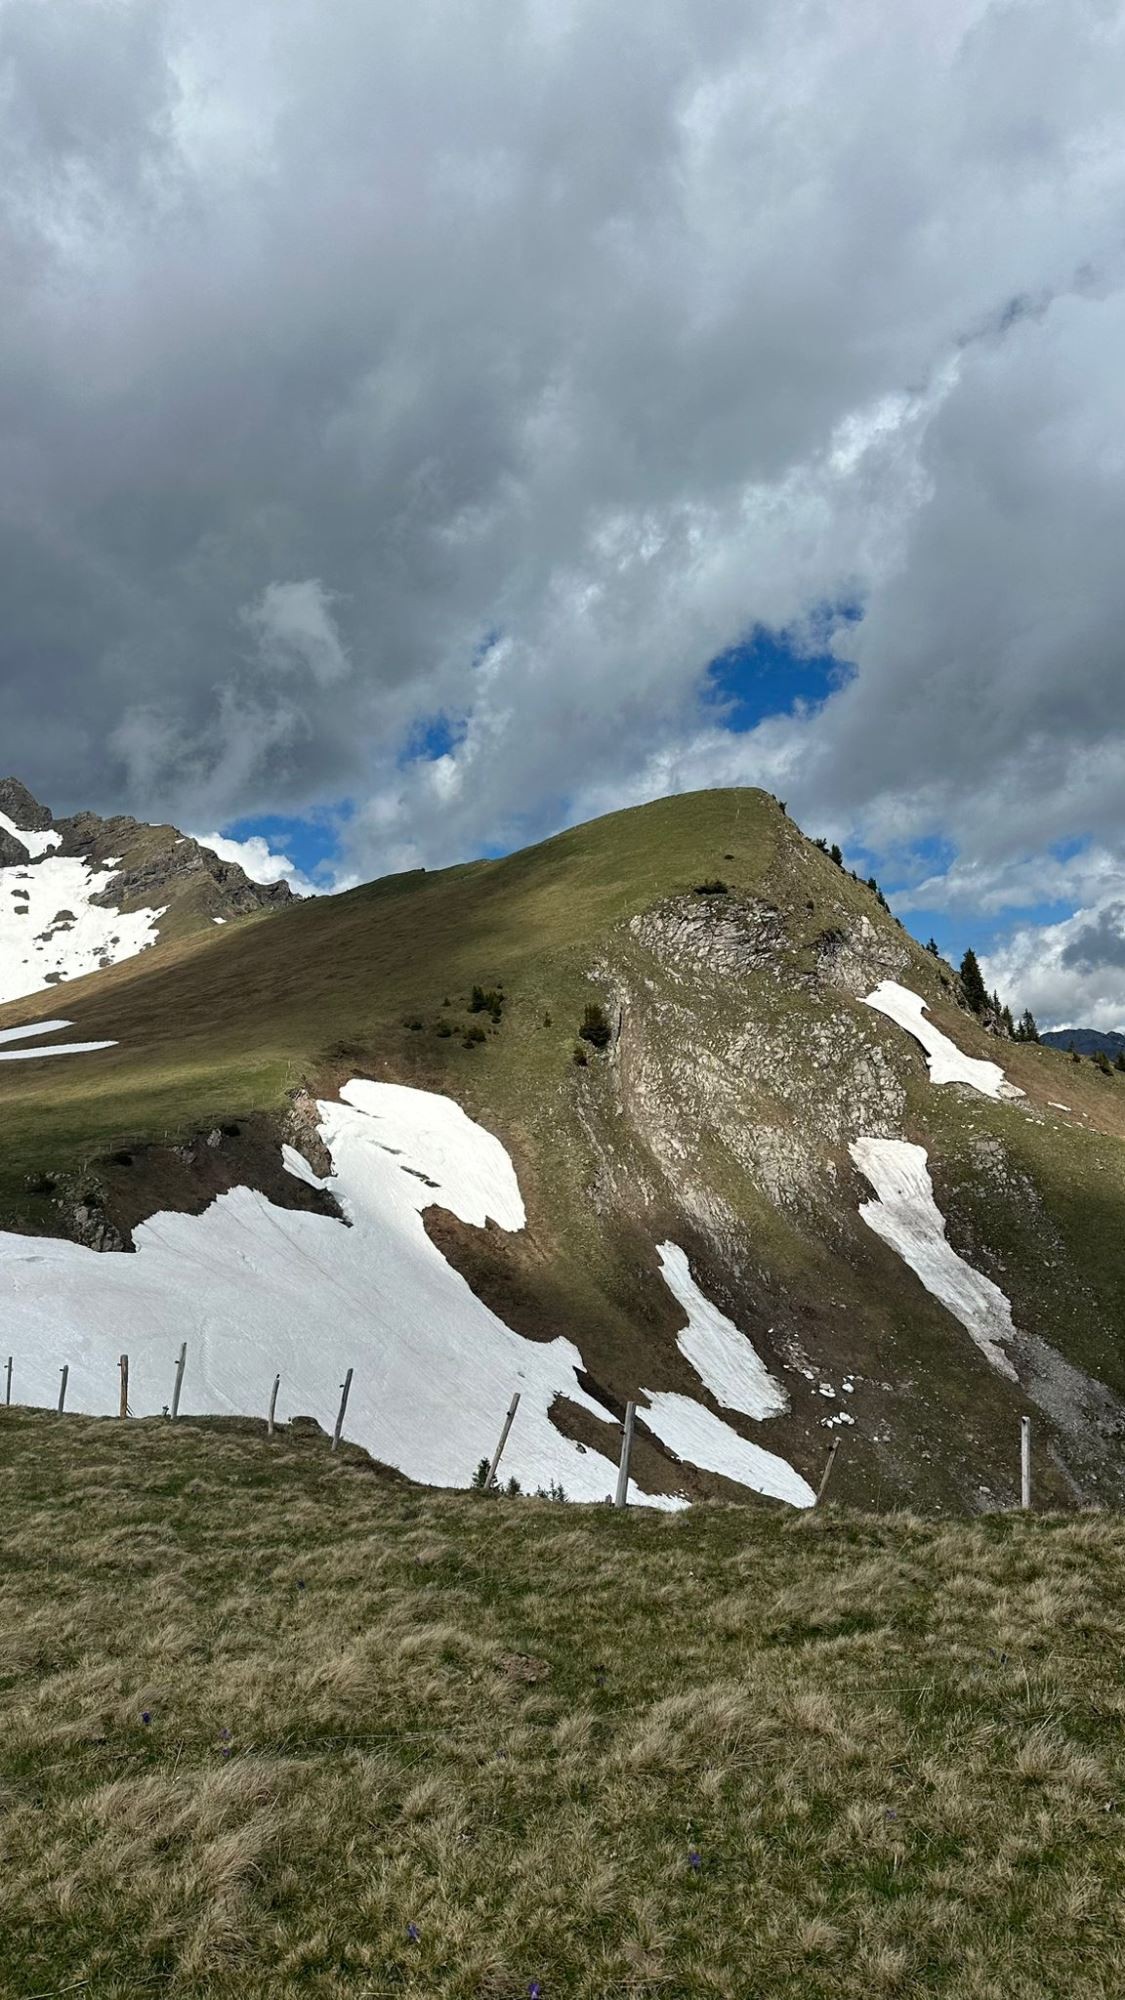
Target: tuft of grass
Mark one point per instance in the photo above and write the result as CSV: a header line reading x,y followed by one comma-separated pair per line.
x,y
401,1743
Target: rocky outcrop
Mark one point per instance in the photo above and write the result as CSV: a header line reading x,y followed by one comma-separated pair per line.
x,y
13,853
24,811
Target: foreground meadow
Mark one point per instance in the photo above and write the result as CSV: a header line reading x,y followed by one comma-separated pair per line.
x,y
273,1723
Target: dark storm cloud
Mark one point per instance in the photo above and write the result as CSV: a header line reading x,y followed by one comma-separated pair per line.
x,y
367,362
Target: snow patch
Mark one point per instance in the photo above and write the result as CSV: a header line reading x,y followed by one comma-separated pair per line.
x,y
35,843
50,1048
255,1289
724,1359
907,1217
948,1064
50,928
702,1439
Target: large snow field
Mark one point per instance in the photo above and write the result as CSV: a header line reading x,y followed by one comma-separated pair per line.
x,y
724,1359
51,930
255,1289
948,1064
907,1217
48,1048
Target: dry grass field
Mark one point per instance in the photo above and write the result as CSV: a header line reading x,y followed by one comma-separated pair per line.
x,y
278,1724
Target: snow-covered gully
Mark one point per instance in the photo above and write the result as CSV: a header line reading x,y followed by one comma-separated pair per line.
x,y
255,1289
948,1063
907,1217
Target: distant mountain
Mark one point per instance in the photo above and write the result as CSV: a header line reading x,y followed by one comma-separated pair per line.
x,y
1087,1041
78,895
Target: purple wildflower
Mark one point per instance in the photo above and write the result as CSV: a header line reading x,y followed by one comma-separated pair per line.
x,y
225,1735
145,1716
413,1933
534,1991
695,1859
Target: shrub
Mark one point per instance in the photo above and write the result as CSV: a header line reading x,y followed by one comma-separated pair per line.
x,y
595,1027
580,1058
1103,1063
546,1017
714,887
473,1035
1119,1064
488,1000
444,1028
413,1022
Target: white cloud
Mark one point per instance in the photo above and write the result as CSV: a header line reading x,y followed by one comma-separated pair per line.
x,y
295,630
1071,974
261,862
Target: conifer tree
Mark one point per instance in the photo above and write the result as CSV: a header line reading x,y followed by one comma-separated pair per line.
x,y
976,993
1029,1027
1120,1063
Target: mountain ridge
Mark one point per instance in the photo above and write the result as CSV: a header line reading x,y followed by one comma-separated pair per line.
x,y
735,966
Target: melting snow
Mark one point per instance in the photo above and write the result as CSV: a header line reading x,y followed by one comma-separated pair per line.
x,y
723,1358
947,1062
51,930
35,843
255,1289
703,1439
908,1218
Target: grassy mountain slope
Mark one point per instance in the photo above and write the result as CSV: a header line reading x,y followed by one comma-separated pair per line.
x,y
284,1726
742,1062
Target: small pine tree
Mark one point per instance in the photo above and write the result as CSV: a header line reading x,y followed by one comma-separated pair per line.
x,y
835,855
595,1027
931,947
976,992
1029,1027
1074,1055
1007,1022
1120,1063
1103,1063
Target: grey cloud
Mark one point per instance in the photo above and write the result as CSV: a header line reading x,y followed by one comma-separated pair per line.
x,y
340,339
1098,944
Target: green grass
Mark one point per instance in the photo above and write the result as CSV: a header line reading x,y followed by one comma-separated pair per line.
x,y
894,1747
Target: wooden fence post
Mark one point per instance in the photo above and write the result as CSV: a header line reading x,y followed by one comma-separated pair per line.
x,y
179,1382
512,1408
123,1404
621,1497
827,1473
8,1386
1025,1463
346,1388
273,1405
64,1371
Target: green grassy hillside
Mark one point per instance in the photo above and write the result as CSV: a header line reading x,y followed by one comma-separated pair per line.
x,y
273,1724
729,955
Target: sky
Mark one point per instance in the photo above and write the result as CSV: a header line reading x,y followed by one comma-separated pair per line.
x,y
425,427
